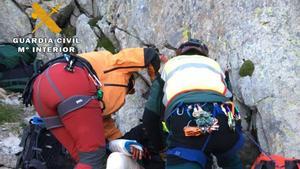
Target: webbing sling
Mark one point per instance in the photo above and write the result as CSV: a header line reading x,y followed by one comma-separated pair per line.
x,y
195,155
93,158
73,103
52,122
67,106
189,155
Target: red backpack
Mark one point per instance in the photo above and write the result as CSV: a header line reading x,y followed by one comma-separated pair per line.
x,y
275,162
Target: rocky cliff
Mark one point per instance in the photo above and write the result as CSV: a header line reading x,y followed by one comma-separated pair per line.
x,y
258,41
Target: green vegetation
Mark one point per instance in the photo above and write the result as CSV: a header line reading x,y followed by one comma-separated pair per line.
x,y
93,22
69,31
247,68
23,125
9,113
106,44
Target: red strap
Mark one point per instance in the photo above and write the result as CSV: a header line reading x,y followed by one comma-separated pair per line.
x,y
82,166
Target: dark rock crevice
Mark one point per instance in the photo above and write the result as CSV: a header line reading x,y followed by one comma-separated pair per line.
x,y
82,10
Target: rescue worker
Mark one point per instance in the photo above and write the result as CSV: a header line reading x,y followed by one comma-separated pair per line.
x,y
76,95
192,98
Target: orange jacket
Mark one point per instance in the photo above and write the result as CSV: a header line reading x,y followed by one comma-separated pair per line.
x,y
114,72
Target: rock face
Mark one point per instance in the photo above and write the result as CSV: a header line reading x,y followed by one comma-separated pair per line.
x,y
266,33
9,145
134,105
108,31
86,6
14,22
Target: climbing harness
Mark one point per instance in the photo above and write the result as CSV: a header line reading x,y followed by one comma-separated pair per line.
x,y
198,155
72,103
203,120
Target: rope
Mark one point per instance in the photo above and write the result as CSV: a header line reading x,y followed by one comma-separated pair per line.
x,y
258,146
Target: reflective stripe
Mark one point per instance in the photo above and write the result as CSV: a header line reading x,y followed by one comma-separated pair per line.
x,y
93,158
73,103
190,65
52,122
192,73
175,62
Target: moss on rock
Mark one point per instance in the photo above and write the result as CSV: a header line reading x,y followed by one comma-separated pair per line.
x,y
69,31
93,22
106,44
247,68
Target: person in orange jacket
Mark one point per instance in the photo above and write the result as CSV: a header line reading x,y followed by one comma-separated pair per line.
x,y
76,95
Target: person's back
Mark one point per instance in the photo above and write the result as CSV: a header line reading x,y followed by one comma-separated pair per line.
x,y
71,92
190,95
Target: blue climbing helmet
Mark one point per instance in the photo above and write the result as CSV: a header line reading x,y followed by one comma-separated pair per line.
x,y
194,46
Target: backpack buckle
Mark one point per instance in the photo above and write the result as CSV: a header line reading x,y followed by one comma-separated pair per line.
x,y
71,62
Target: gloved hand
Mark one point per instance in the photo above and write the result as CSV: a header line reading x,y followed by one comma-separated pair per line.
x,y
153,68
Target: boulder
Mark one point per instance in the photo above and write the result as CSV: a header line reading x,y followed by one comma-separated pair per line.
x,y
126,40
44,32
74,16
9,145
14,22
108,31
85,34
64,12
26,3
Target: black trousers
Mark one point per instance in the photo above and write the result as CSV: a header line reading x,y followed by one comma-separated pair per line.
x,y
220,141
